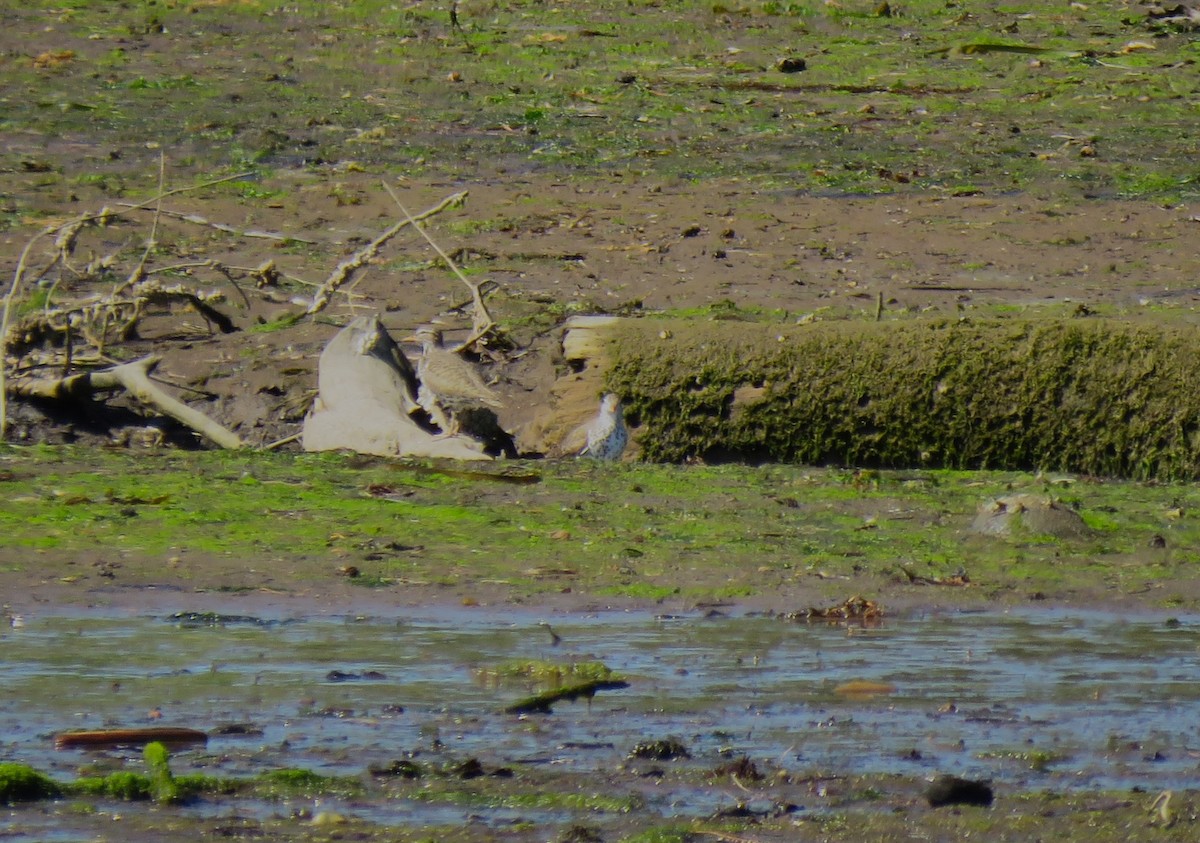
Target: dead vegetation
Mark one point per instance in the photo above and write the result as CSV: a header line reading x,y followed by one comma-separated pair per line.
x,y
84,287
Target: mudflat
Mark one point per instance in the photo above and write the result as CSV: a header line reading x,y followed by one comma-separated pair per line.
x,y
771,162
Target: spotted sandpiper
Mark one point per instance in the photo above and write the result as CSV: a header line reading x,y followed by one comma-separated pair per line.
x,y
606,433
449,384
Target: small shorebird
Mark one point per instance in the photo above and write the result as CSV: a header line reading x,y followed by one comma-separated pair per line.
x,y
449,384
606,433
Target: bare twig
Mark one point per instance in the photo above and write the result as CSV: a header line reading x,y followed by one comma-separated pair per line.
x,y
9,298
279,443
196,219
139,272
345,270
481,319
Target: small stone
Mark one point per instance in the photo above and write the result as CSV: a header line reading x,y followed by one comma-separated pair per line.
x,y
325,818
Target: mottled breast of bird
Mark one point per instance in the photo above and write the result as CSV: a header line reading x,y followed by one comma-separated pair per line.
x,y
606,433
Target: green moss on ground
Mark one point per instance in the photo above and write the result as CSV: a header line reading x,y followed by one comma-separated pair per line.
x,y
645,531
916,99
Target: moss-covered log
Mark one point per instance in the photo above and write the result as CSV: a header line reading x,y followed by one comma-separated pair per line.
x,y
1094,396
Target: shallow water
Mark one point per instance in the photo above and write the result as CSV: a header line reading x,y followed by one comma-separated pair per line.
x,y
1045,699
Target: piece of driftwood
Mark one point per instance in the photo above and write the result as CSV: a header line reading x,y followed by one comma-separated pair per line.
x,y
366,390
97,738
134,377
541,703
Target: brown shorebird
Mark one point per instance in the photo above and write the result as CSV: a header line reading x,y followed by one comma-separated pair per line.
x,y
449,384
606,433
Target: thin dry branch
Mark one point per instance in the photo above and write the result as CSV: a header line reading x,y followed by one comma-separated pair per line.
x,y
98,319
196,219
154,200
139,272
481,319
134,377
345,270
9,298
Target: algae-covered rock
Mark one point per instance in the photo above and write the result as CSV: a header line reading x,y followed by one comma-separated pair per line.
x,y
1029,515
1094,396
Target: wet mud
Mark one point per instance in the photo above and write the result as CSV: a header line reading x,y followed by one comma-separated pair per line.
x,y
403,716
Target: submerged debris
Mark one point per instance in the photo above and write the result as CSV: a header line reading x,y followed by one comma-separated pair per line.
x,y
664,749
469,769
215,619
541,703
951,790
402,768
864,688
343,676
580,834
856,608
741,768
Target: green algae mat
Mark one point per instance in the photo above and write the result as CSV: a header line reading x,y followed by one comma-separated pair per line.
x,y
80,524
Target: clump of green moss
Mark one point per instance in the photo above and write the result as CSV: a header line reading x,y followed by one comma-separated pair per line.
x,y
545,673
1094,396
290,782
131,787
159,783
163,787
19,783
